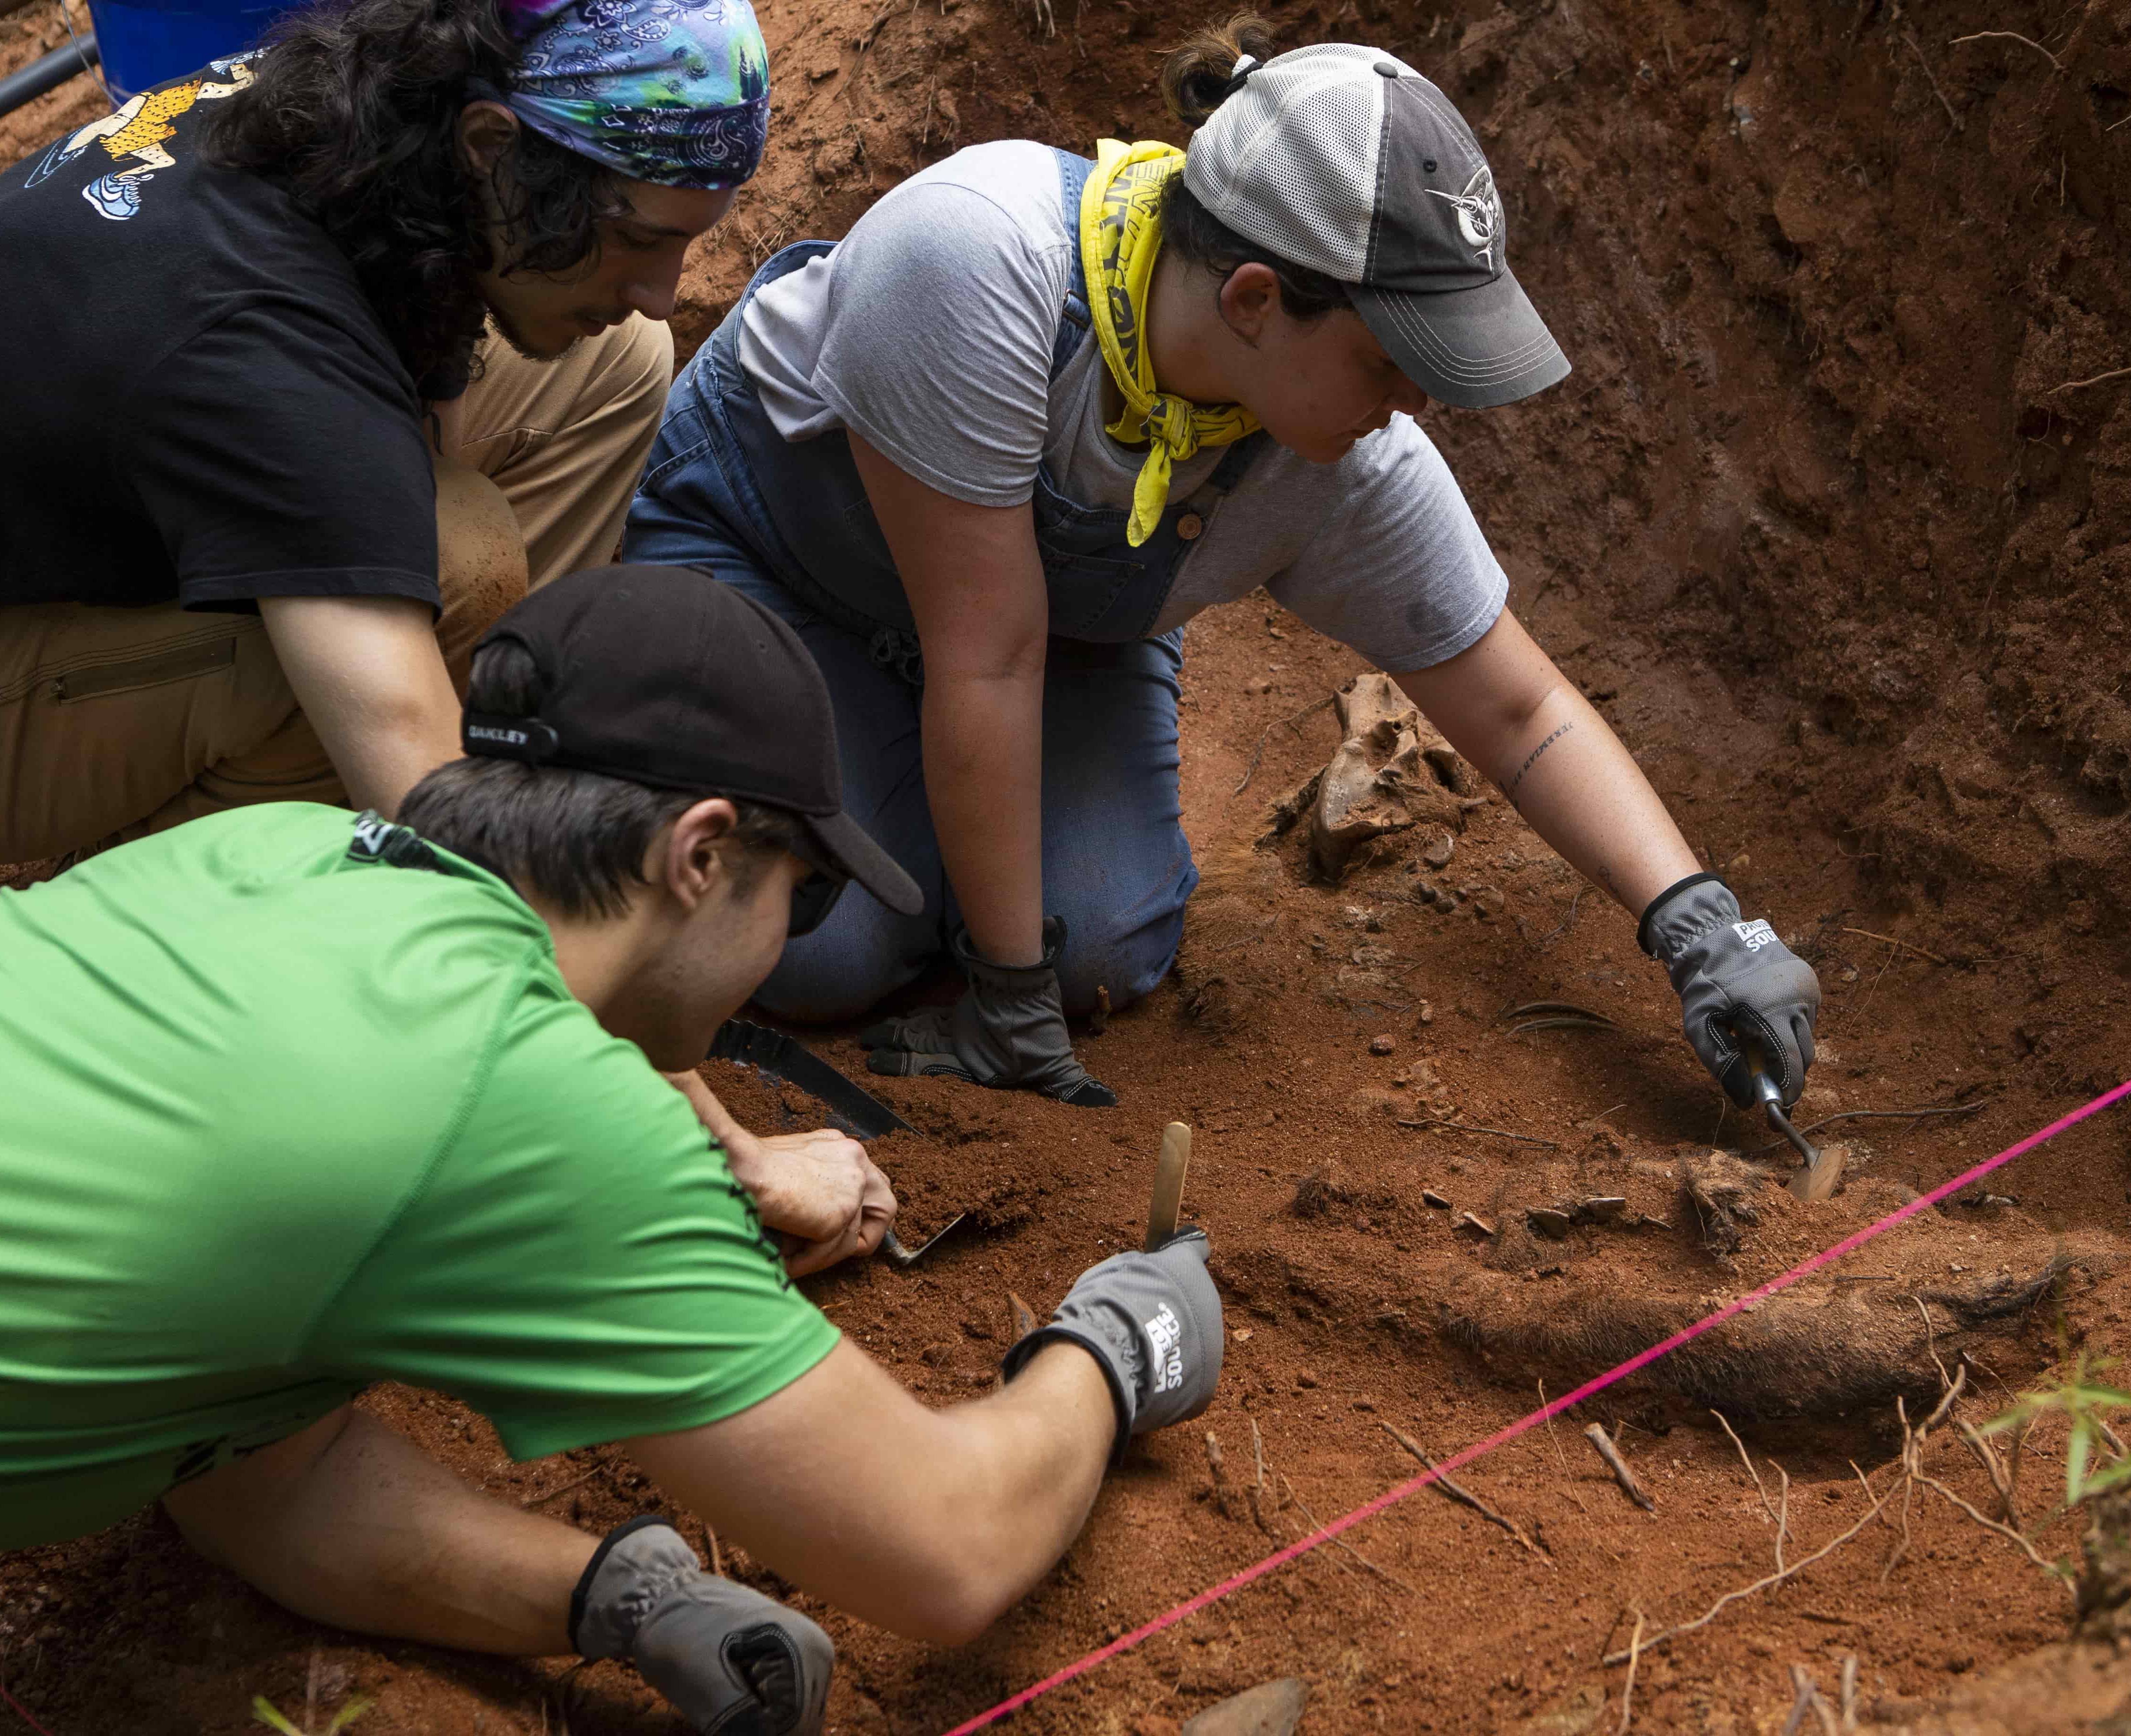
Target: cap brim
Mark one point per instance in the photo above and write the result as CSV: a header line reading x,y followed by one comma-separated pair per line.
x,y
849,846
1475,348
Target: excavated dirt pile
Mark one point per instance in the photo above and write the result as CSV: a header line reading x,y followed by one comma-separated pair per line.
x,y
1831,522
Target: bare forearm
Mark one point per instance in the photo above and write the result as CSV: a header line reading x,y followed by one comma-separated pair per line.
x,y
1576,786
1029,1461
352,1524
1503,705
983,775
927,1522
369,679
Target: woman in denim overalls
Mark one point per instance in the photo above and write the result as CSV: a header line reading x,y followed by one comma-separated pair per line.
x,y
912,447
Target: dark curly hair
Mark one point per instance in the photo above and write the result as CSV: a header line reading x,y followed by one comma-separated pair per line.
x,y
353,110
1194,83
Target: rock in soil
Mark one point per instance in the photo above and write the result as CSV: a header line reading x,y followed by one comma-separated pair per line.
x,y
1271,1709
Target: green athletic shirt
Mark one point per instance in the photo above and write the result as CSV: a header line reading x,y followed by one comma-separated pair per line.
x,y
278,1118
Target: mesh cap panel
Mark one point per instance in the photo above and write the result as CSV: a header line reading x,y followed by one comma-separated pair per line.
x,y
1290,161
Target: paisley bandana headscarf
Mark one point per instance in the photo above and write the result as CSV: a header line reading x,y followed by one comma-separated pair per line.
x,y
1120,237
675,92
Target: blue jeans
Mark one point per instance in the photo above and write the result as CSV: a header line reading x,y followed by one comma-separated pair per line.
x,y
1116,863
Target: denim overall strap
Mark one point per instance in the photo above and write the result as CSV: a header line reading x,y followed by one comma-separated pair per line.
x,y
801,506
1075,321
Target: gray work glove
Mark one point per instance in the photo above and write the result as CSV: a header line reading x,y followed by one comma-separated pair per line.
x,y
1153,1322
1008,1030
733,1661
1736,980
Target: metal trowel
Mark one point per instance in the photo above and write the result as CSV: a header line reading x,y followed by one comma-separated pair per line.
x,y
1823,1170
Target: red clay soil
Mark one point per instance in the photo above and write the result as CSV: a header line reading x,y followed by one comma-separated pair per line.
x,y
1831,522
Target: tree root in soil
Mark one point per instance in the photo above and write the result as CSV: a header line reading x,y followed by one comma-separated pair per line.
x,y
1843,1350
1910,1476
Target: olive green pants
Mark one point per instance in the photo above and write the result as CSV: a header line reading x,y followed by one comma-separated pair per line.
x,y
118,722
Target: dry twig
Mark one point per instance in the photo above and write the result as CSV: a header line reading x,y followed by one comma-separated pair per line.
x,y
1907,945
1916,47
1948,1388
1783,1514
1381,1573
1600,1440
1914,1475
1850,1691
1993,1469
1759,1488
1864,1115
1465,1497
2073,385
1808,1701
1765,1584
1559,929
1566,1009
1628,1687
1467,1128
1559,1455
1256,1492
2014,35
1215,1464
535,1500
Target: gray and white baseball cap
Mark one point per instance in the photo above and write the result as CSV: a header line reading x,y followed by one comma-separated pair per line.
x,y
1344,160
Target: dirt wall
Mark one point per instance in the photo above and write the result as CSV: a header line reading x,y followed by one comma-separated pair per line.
x,y
1831,278
1821,523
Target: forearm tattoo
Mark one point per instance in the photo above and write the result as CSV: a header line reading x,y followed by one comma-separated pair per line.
x,y
1531,759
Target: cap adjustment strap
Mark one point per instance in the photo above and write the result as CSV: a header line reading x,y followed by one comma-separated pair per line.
x,y
525,738
1245,65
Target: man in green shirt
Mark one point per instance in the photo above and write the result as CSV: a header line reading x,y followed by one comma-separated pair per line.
x,y
294,1105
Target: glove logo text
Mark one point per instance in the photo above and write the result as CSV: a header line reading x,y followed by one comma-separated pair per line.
x,y
1755,935
1164,1335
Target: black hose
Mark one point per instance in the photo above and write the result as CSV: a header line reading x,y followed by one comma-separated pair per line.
x,y
45,74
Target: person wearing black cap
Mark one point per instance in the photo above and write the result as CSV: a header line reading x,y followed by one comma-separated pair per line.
x,y
990,452
297,1103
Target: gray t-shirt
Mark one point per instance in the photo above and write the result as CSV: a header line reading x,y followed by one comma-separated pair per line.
x,y
929,331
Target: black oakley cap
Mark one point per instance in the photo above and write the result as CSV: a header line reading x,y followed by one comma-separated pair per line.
x,y
666,677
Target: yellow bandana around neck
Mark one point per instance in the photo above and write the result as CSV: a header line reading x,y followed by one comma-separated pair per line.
x,y
1120,236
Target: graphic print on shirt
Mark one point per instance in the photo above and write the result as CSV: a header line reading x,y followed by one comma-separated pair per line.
x,y
135,134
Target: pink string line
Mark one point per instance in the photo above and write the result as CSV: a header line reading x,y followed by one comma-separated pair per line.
x,y
1643,1359
23,1712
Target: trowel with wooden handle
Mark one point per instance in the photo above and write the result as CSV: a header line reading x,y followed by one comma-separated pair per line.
x,y
1169,1171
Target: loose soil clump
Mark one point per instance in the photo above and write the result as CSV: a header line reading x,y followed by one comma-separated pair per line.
x,y
1833,523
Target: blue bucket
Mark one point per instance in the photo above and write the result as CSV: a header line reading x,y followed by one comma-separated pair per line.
x,y
148,42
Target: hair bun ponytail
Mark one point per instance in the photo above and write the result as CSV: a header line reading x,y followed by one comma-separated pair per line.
x,y
1200,75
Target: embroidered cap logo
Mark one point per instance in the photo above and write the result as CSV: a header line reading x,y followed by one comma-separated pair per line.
x,y
1479,212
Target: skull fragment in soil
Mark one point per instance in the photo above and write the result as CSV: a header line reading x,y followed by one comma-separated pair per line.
x,y
1392,771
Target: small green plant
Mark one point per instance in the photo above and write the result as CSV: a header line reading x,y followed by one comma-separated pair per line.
x,y
2086,1401
267,1714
